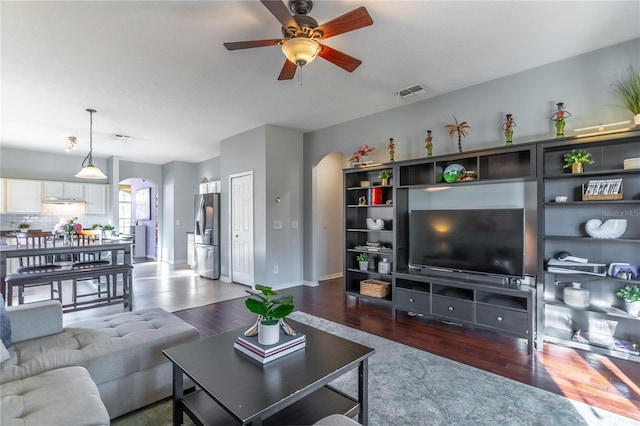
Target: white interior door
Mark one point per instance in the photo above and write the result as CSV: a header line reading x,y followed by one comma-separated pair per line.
x,y
242,228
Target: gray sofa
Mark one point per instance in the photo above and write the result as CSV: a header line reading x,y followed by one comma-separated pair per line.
x,y
89,371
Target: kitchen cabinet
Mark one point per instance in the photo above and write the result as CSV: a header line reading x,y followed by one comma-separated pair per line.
x,y
95,196
190,250
23,196
66,190
3,198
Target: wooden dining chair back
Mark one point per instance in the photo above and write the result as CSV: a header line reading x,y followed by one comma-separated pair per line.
x,y
31,264
89,237
35,239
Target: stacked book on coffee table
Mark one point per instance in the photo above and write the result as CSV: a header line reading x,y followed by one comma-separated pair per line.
x,y
250,346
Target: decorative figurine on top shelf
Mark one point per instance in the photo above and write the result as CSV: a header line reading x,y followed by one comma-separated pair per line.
x,y
559,116
508,126
392,150
429,141
460,129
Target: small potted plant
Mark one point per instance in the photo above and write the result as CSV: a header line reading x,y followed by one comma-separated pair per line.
x,y
270,309
24,227
576,159
385,175
628,89
108,230
363,261
631,296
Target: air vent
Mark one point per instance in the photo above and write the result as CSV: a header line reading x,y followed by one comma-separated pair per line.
x,y
122,137
412,92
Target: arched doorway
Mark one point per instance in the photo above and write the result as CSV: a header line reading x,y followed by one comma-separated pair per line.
x,y
138,217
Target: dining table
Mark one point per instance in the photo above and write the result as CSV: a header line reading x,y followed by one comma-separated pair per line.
x,y
67,264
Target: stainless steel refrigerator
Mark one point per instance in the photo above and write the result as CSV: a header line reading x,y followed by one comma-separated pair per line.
x,y
207,235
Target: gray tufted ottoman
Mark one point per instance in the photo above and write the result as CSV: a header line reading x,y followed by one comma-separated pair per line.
x,y
122,353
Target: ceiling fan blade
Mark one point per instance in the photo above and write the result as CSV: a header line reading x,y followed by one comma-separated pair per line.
x,y
253,43
288,71
350,21
344,61
280,11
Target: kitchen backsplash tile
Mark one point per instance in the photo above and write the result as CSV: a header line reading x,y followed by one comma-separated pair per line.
x,y
51,214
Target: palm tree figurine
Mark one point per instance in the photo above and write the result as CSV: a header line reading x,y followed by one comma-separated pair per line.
x,y
460,129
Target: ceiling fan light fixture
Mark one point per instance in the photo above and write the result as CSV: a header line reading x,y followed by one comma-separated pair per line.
x,y
89,171
301,50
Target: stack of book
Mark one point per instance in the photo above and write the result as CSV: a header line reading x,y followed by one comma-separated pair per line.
x,y
267,353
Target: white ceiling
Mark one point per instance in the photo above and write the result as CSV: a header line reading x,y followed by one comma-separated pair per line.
x,y
157,70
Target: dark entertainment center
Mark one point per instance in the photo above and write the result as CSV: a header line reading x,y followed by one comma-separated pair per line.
x,y
523,300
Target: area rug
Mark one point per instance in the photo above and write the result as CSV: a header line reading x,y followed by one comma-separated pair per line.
x,y
408,386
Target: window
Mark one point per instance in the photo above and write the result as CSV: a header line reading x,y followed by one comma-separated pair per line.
x,y
124,208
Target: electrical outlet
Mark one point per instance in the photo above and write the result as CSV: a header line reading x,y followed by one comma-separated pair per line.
x,y
275,269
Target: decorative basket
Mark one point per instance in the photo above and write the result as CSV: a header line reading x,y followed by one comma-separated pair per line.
x,y
375,288
596,197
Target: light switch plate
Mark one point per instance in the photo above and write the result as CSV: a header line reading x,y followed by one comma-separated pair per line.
x,y
277,224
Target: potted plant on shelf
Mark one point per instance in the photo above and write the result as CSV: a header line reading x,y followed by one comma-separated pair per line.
x,y
631,296
384,175
24,227
108,230
628,89
363,261
270,310
576,159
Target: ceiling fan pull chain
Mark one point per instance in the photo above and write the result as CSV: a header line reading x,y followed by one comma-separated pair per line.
x,y
300,75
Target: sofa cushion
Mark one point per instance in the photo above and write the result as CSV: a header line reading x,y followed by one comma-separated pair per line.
x,y
65,396
4,353
5,324
109,347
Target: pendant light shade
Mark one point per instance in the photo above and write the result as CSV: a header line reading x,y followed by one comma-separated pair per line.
x,y
89,171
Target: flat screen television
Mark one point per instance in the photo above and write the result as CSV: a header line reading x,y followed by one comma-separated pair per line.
x,y
485,241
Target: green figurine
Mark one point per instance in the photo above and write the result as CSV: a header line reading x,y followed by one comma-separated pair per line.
x,y
392,150
508,126
559,117
429,141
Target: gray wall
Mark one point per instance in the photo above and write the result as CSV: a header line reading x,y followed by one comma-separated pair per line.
x,y
177,205
276,162
24,164
209,169
583,83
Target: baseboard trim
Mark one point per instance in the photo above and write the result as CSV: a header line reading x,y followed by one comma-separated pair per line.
x,y
330,276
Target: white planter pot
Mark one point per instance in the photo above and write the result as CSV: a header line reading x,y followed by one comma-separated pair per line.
x,y
363,265
636,120
633,308
108,234
268,334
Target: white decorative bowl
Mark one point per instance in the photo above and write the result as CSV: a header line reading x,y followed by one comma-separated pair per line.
x,y
612,228
375,225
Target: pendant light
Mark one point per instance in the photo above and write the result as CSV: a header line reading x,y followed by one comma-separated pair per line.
x,y
89,171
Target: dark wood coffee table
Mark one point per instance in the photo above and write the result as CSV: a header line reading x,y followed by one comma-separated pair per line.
x,y
233,388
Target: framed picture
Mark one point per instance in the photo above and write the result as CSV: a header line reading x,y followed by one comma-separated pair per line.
x,y
143,204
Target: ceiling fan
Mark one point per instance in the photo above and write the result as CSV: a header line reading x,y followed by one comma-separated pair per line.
x,y
301,35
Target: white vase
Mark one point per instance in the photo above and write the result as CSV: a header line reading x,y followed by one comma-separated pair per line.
x,y
108,233
268,334
633,308
576,296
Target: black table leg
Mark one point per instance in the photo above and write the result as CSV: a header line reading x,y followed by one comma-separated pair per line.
x,y
363,392
178,394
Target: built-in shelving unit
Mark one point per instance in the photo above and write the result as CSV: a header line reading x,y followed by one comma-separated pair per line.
x,y
604,326
533,308
366,197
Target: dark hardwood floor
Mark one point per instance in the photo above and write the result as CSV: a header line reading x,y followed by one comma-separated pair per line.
x,y
608,383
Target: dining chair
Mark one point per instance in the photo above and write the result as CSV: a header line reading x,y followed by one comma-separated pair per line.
x,y
32,264
88,237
